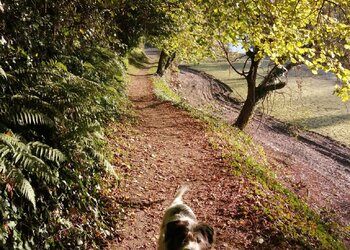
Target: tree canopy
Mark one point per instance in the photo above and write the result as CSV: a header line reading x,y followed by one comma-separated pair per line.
x,y
185,31
288,32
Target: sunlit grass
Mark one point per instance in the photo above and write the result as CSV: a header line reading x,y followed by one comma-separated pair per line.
x,y
164,93
307,101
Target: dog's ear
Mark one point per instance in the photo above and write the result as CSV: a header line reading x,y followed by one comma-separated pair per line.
x,y
207,231
176,230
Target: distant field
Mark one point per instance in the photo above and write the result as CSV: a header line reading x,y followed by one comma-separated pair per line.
x,y
306,101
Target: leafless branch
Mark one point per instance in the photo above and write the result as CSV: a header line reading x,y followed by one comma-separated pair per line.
x,y
222,45
268,77
238,58
245,64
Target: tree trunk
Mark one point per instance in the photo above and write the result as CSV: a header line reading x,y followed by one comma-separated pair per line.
x,y
248,108
169,61
251,100
161,63
164,62
255,94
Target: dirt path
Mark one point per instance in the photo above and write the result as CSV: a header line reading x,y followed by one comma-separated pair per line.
x,y
314,166
170,149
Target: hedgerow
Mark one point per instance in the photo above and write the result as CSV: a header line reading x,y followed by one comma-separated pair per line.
x,y
62,81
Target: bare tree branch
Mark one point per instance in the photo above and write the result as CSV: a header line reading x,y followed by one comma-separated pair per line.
x,y
222,45
271,75
272,87
245,63
268,77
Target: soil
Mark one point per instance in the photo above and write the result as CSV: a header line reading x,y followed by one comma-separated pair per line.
x,y
314,166
170,148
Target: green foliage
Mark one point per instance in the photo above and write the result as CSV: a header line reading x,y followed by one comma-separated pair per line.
x,y
315,33
137,59
51,148
139,55
61,82
184,32
288,32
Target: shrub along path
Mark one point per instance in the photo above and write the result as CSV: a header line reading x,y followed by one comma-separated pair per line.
x,y
170,148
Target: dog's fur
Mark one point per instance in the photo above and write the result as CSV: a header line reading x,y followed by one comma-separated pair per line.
x,y
180,229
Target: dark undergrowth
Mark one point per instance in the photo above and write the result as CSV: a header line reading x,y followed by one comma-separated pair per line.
x,y
55,168
62,82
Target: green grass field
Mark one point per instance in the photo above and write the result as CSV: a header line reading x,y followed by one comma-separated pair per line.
x,y
306,101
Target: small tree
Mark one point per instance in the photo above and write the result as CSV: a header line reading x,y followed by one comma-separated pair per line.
x,y
289,32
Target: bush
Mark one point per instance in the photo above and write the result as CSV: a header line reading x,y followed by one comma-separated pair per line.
x,y
52,156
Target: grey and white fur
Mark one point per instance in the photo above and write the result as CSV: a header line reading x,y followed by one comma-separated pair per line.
x,y
180,229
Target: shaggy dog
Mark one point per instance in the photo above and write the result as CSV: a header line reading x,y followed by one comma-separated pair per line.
x,y
180,229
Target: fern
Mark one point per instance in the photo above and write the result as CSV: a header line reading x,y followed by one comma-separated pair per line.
x,y
26,189
3,168
49,111
57,65
49,116
4,150
33,100
88,67
4,107
20,156
44,172
42,150
3,73
26,117
12,141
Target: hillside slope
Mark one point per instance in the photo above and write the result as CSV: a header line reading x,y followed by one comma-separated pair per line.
x,y
314,166
230,189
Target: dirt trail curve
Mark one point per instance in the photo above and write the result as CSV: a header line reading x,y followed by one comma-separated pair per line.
x,y
314,166
170,149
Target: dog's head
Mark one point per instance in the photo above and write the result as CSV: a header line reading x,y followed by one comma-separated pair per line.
x,y
180,235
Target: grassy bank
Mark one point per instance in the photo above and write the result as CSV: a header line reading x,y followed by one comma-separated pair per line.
x,y
279,217
306,101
